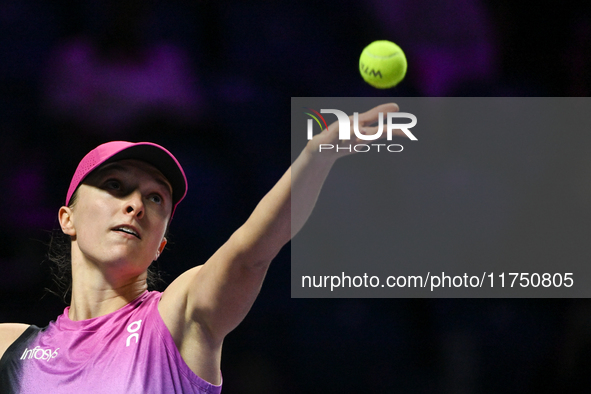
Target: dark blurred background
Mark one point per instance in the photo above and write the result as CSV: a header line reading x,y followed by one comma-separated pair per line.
x,y
212,82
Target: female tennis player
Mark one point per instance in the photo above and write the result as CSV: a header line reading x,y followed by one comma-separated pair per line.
x,y
118,337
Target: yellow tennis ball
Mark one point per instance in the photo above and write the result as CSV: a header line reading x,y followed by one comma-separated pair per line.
x,y
382,64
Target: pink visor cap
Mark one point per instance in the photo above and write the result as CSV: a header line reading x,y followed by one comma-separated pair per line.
x,y
149,152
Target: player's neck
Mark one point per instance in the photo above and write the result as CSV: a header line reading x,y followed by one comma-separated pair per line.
x,y
96,294
100,287
89,304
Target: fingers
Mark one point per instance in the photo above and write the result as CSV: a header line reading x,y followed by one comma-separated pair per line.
x,y
366,121
371,116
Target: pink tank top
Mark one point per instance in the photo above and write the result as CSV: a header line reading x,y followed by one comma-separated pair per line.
x,y
127,351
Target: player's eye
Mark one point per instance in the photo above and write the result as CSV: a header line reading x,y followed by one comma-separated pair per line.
x,y
113,184
156,198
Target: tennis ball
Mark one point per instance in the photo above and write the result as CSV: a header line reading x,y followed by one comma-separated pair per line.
x,y
382,64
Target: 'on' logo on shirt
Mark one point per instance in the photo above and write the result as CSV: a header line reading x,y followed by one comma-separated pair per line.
x,y
133,328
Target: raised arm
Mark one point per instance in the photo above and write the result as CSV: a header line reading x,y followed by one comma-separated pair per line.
x,y
217,295
286,208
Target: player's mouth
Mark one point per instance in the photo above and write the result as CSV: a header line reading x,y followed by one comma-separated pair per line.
x,y
127,229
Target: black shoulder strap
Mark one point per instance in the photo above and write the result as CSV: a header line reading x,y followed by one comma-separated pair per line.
x,y
10,367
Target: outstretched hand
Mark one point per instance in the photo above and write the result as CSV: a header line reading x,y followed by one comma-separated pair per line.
x,y
330,135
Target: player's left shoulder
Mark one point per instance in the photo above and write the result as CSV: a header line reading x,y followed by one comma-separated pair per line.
x,y
200,353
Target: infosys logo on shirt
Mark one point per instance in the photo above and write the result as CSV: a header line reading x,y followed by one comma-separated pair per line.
x,y
39,354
